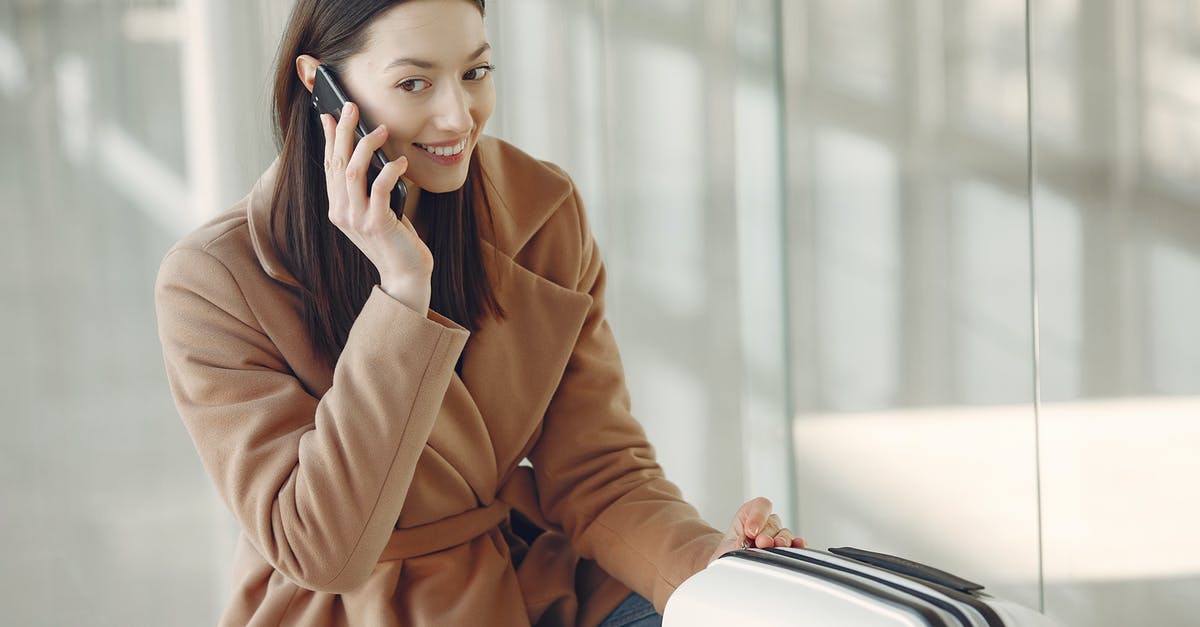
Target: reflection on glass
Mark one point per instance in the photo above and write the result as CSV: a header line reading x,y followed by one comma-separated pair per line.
x,y
1058,77
100,482
1173,363
667,140
912,316
987,56
855,41
1118,273
1060,296
858,270
1171,86
993,334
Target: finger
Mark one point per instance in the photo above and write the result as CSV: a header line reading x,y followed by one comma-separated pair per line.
x,y
329,127
784,538
753,516
798,543
764,541
343,143
766,536
356,170
770,527
381,189
335,165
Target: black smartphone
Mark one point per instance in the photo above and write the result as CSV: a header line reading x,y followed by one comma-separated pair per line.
x,y
329,97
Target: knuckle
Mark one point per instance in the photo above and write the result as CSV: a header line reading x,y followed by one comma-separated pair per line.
x,y
334,163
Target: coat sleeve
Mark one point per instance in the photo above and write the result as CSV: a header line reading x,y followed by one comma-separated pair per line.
x,y
596,473
317,484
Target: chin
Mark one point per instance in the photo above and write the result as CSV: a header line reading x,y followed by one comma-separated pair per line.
x,y
442,184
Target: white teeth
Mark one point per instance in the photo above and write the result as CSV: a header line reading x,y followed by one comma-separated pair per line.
x,y
445,151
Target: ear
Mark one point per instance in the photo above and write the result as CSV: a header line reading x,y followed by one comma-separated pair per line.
x,y
306,67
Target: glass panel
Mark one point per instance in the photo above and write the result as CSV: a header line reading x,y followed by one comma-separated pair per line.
x,y
101,483
858,253
910,291
672,255
666,115
1118,275
854,45
761,285
985,51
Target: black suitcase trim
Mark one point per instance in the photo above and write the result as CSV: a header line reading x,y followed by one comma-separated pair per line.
x,y
948,607
789,562
907,567
957,593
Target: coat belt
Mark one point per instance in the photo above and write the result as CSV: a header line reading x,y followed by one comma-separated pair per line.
x,y
443,534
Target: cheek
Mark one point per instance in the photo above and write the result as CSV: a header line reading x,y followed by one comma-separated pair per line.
x,y
483,106
402,131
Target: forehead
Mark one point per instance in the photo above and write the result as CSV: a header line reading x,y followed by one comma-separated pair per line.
x,y
442,31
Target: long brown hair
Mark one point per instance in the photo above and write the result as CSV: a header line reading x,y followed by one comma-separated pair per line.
x,y
336,278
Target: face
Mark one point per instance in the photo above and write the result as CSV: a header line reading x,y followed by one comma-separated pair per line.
x,y
425,74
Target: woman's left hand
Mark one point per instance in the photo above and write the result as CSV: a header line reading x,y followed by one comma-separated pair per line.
x,y
755,525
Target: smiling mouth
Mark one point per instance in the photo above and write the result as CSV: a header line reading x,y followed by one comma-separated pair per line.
x,y
444,151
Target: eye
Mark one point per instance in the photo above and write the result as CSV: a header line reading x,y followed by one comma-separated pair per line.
x,y
479,73
414,85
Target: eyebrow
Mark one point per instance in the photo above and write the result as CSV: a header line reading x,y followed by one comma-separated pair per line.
x,y
429,65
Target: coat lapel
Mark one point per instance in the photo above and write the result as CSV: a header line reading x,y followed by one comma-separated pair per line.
x,y
511,368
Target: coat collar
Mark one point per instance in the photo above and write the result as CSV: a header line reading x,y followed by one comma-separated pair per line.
x,y
522,199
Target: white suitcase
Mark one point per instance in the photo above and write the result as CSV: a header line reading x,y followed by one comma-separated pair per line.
x,y
841,586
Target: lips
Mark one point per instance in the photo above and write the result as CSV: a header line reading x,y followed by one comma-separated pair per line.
x,y
444,150
447,154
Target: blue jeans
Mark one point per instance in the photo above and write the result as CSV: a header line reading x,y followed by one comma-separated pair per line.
x,y
634,611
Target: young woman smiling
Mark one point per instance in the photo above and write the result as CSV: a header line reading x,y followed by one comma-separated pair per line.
x,y
362,381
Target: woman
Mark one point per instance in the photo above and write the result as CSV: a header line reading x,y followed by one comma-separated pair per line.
x,y
363,388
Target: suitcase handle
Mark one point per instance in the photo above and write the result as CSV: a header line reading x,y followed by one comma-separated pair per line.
x,y
907,567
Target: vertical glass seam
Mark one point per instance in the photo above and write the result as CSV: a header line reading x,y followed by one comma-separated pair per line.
x,y
1037,358
781,147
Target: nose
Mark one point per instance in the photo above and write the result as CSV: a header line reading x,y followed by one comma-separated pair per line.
x,y
453,110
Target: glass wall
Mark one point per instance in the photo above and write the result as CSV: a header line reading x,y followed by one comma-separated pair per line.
x,y
925,273
1116,127
911,325
106,514
994,269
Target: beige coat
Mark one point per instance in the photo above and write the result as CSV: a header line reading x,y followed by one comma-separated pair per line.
x,y
387,490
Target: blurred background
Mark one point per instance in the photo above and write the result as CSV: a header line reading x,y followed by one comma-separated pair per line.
x,y
924,272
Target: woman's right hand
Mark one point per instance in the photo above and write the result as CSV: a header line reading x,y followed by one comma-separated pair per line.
x,y
404,262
